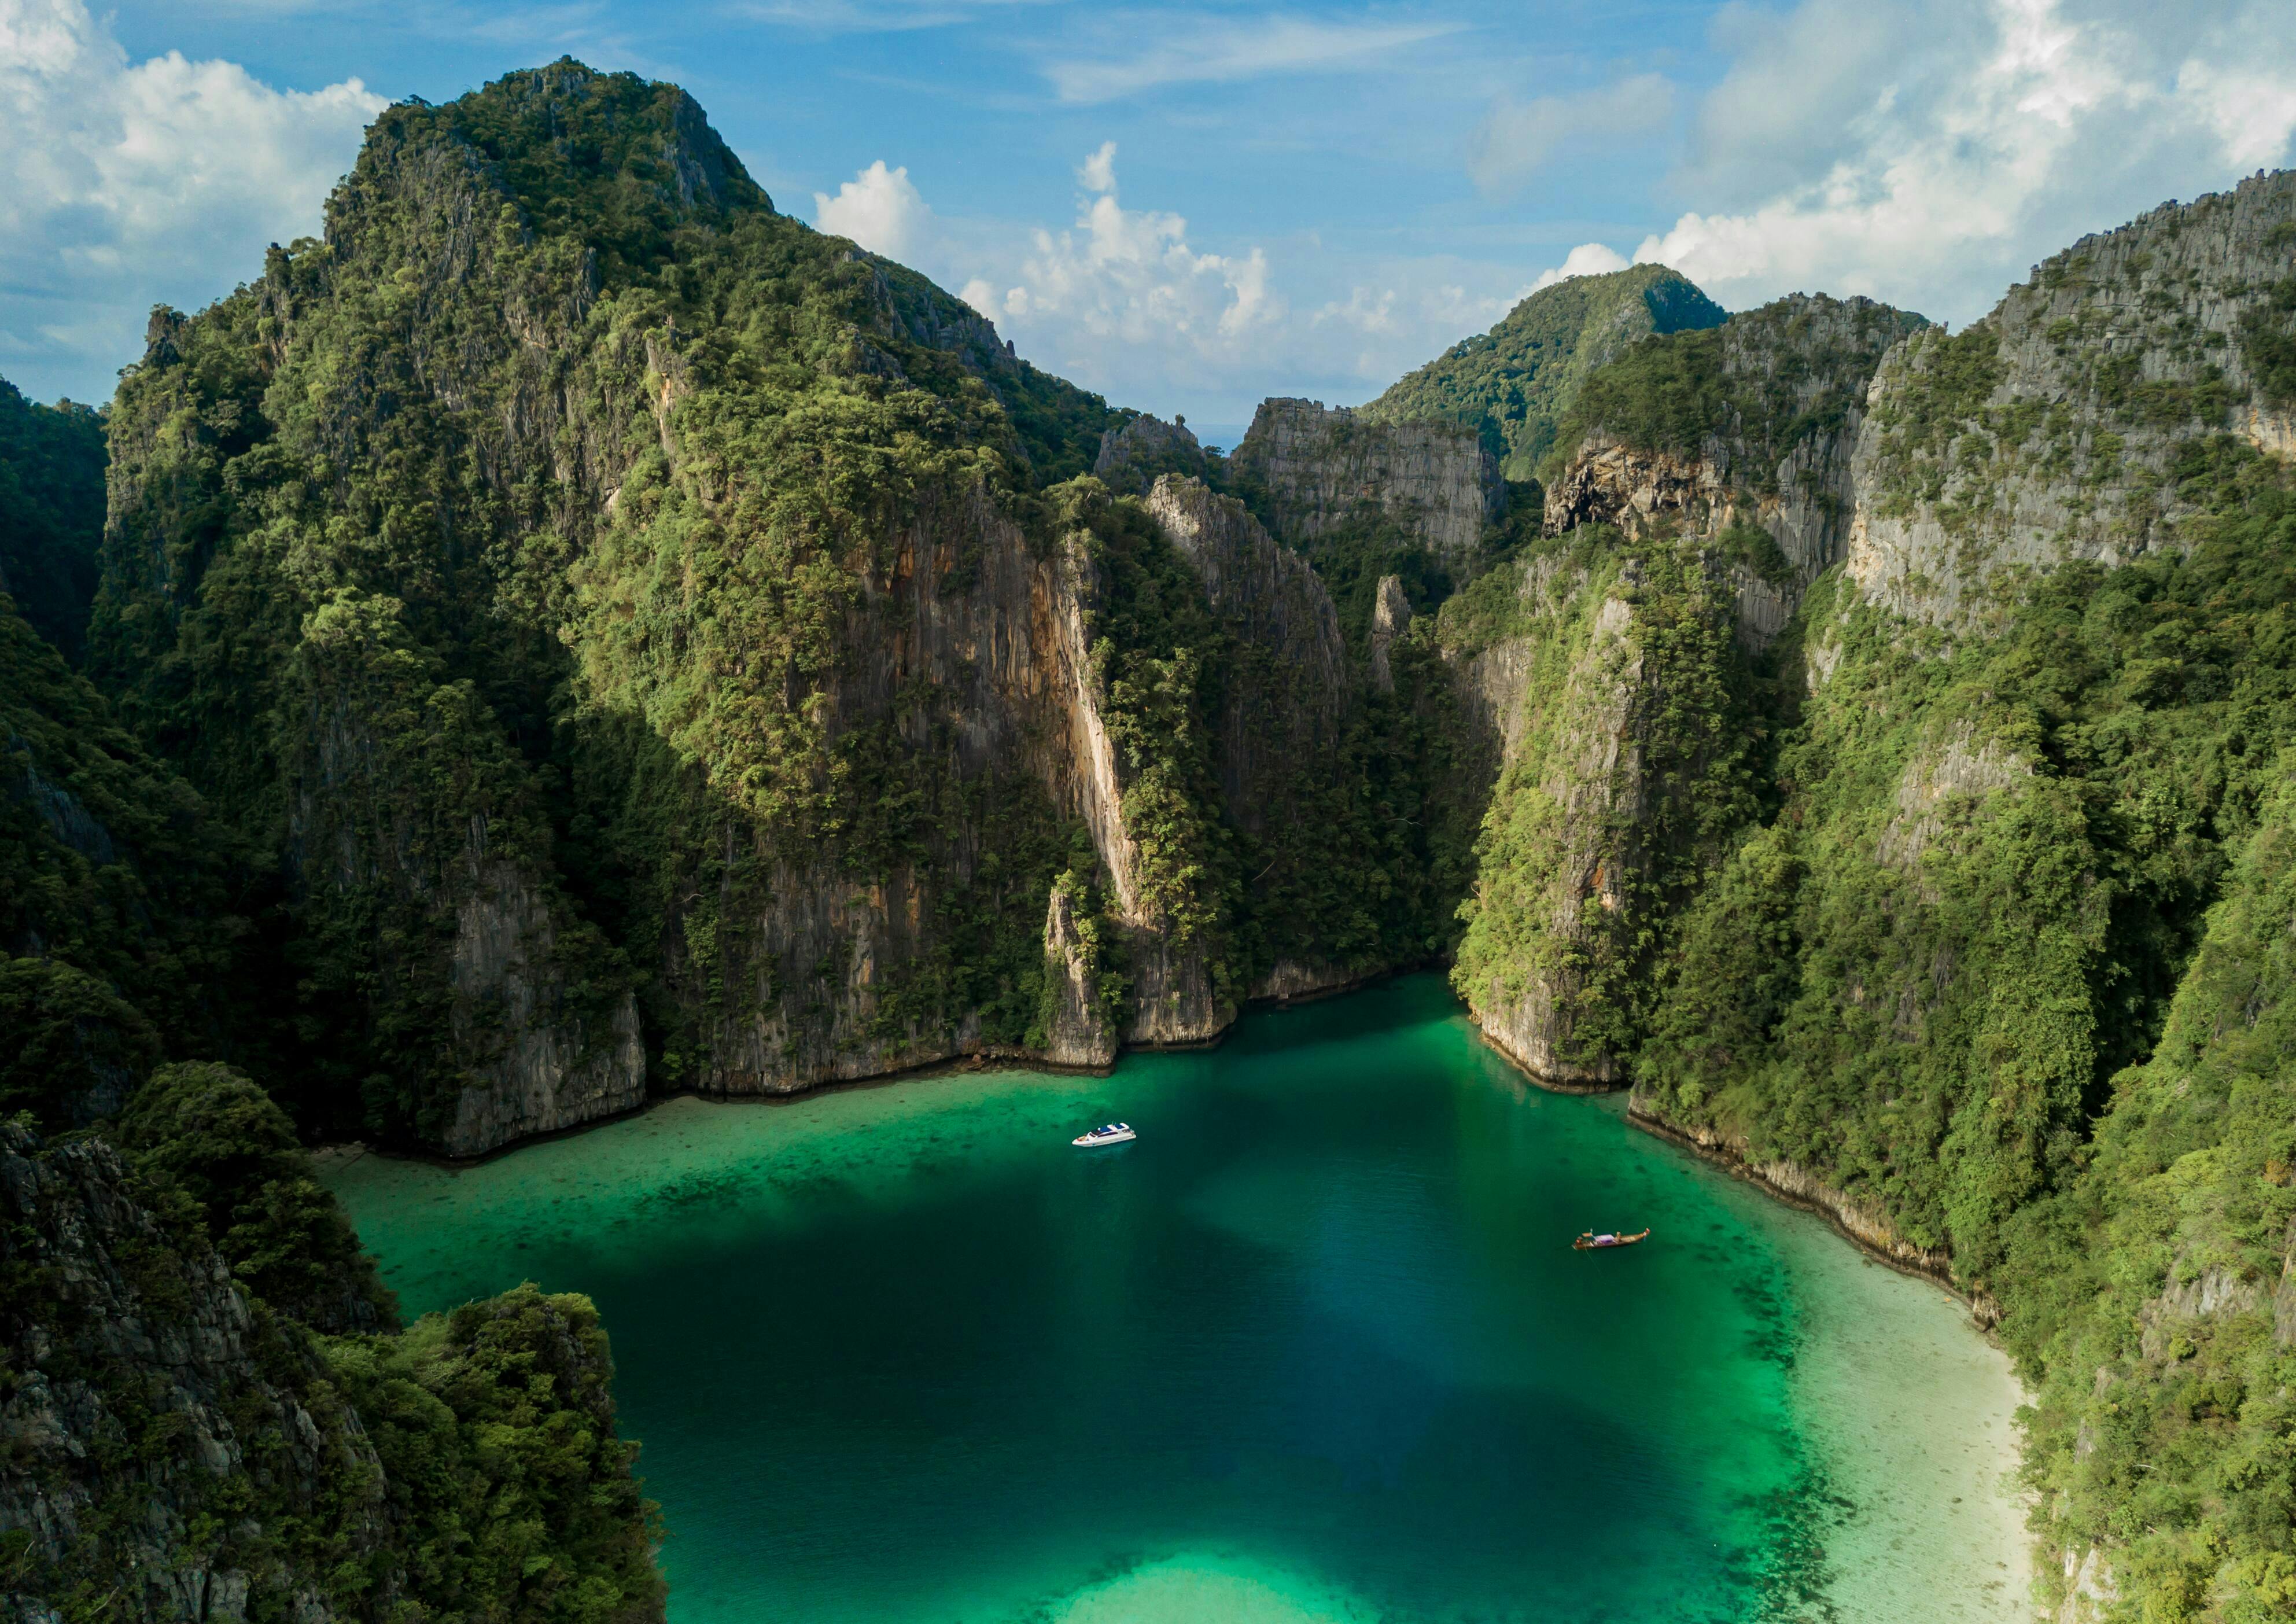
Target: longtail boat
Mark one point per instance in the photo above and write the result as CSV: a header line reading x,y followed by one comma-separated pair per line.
x,y
1591,1242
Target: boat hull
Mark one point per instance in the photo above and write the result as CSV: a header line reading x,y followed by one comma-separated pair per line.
x,y
1088,1143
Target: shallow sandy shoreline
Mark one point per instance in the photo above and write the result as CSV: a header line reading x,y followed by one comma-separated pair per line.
x,y
1910,1406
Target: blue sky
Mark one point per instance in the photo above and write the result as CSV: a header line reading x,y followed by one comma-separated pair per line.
x,y
1188,207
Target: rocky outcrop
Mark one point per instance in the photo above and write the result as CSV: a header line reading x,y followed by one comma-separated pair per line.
x,y
1931,785
2046,432
144,1397
1327,471
1132,457
535,1066
2089,1590
2218,1292
1078,1031
1767,484
1390,619
1558,698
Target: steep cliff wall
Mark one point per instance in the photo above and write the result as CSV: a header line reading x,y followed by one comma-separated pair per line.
x,y
2072,423
1287,700
557,655
1741,436
1322,471
1606,676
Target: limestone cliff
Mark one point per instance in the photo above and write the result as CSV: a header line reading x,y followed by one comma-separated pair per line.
x,y
1559,690
1741,436
2060,427
1287,696
1325,470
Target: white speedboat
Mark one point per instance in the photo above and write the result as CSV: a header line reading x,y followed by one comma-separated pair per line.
x,y
1114,1133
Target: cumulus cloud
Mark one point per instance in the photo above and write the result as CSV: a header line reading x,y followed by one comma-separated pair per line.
x,y
880,209
129,184
1586,259
1516,139
1147,49
1130,275
1961,151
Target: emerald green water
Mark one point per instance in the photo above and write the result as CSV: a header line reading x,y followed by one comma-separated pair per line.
x,y
1314,1348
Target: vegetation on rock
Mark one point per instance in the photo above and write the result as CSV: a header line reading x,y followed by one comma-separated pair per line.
x,y
51,513
1514,382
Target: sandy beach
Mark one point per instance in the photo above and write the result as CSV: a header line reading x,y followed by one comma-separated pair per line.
x,y
1912,1411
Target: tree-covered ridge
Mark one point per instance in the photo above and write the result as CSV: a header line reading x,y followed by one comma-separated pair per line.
x,y
51,512
1972,924
1514,382
180,1446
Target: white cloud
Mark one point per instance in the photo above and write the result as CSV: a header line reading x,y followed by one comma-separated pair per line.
x,y
2252,110
1153,48
880,209
1961,151
1516,139
1129,275
130,183
1586,259
1098,172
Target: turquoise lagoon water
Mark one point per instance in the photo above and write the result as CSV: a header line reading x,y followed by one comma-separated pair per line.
x,y
1315,1347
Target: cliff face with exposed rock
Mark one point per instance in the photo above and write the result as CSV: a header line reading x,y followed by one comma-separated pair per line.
x,y
2059,428
619,752
1325,470
1773,401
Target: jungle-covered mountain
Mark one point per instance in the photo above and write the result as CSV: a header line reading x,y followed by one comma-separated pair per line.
x,y
1513,384
573,634
655,645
